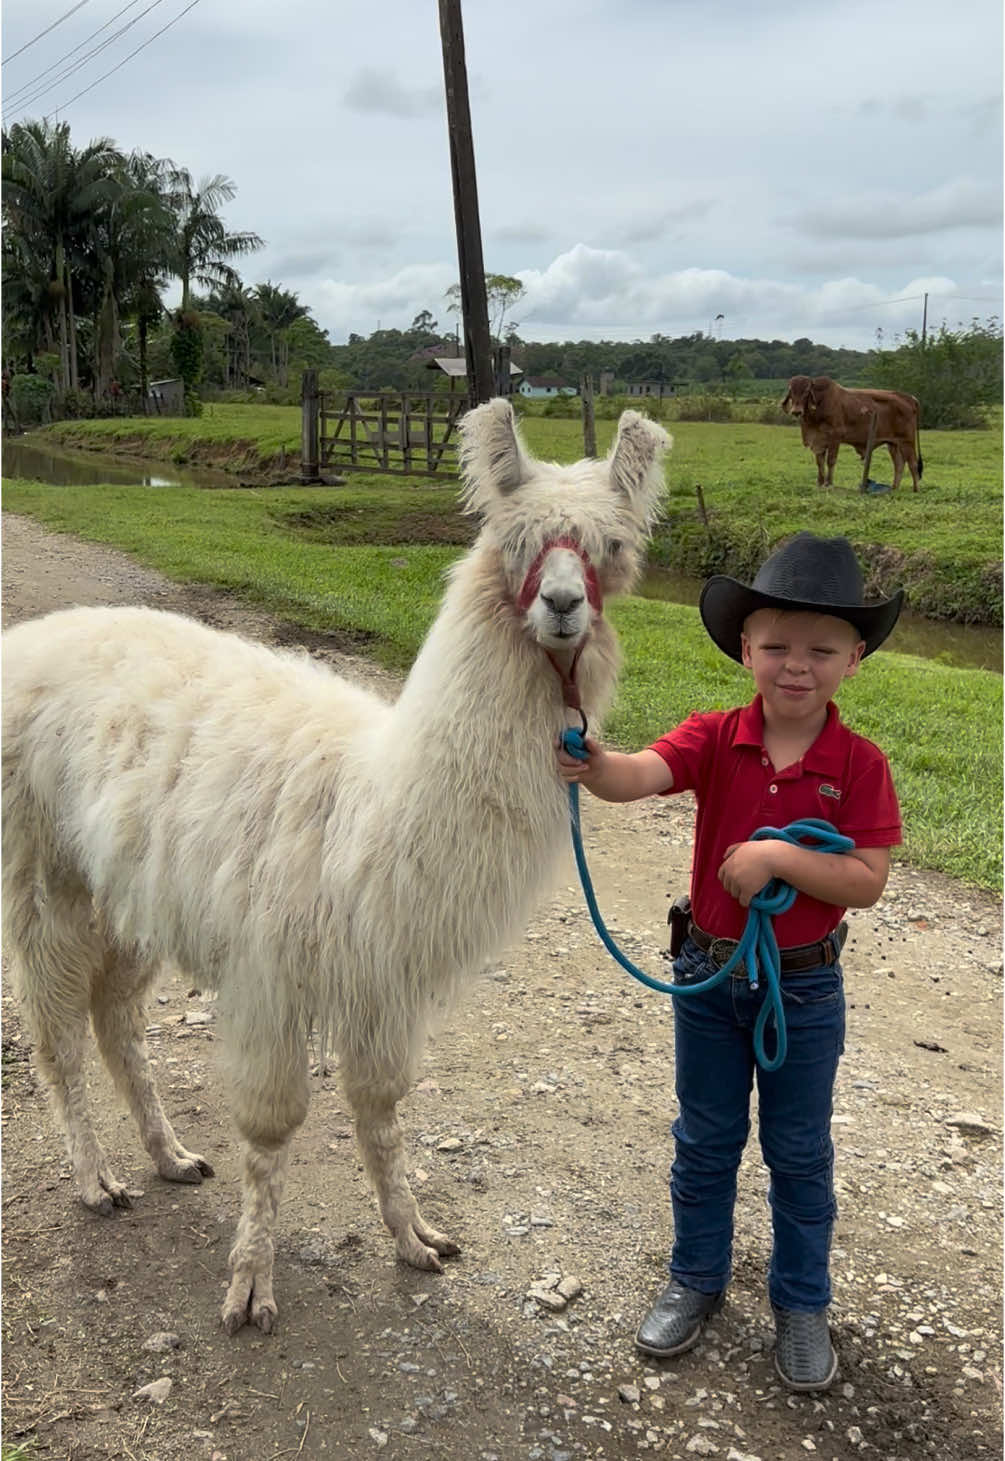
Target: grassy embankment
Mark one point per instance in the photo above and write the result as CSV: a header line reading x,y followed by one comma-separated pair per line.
x,y
943,545
367,561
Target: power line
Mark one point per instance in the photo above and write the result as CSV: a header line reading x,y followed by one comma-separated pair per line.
x,y
21,101
65,16
191,6
913,298
29,85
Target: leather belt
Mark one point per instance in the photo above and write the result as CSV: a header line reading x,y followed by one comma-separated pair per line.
x,y
791,961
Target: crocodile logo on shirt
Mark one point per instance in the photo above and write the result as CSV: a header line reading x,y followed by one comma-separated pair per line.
x,y
825,789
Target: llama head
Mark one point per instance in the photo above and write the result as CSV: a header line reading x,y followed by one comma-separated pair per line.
x,y
568,535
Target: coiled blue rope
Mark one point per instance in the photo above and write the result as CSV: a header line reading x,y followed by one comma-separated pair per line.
x,y
757,947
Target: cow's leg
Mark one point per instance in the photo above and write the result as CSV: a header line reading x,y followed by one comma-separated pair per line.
x,y
897,458
832,452
373,1089
821,458
267,1068
118,1015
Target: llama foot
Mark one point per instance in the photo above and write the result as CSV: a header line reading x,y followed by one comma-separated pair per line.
x,y
178,1165
102,1192
422,1246
249,1301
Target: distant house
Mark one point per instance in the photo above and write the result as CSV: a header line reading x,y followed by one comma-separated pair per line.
x,y
547,385
166,398
658,388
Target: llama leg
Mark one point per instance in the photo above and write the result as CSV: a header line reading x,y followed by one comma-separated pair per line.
x,y
117,1012
57,954
249,1295
269,1092
374,1103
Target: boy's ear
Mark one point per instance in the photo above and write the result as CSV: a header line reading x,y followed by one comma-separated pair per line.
x,y
745,650
855,659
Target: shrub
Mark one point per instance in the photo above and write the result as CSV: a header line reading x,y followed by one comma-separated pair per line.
x,y
31,399
709,407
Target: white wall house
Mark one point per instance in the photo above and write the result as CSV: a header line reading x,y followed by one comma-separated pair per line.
x,y
546,385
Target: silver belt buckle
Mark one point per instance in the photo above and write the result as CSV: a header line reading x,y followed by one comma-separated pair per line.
x,y
721,950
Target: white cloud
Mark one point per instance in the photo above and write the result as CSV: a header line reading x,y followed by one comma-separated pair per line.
x,y
888,213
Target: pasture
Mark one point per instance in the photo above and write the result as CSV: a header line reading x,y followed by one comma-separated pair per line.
x,y
759,484
365,563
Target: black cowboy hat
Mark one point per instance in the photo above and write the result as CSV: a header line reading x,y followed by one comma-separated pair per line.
x,y
809,574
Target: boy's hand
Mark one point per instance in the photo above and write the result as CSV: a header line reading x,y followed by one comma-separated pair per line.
x,y
746,867
572,769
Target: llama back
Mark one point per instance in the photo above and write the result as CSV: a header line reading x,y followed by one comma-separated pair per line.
x,y
172,771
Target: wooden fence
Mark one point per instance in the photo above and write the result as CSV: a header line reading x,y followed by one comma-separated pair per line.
x,y
407,433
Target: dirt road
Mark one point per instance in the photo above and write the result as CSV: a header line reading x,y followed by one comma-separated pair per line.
x,y
539,1139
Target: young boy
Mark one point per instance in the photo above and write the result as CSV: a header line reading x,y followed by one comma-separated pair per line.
x,y
801,628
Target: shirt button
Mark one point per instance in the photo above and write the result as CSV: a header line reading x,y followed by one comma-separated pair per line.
x,y
764,760
772,788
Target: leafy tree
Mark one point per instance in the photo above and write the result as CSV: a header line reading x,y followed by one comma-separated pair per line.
x,y
502,292
955,374
424,325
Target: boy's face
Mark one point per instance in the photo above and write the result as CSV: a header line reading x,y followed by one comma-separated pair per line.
x,y
798,660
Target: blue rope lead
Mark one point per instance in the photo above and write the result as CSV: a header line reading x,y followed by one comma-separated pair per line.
x,y
757,948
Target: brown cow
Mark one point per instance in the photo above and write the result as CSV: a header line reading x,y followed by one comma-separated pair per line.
x,y
829,414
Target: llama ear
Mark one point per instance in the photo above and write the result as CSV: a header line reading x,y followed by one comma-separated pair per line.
x,y
636,462
492,460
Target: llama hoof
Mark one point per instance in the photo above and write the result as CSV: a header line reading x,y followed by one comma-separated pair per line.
x,y
106,1198
436,1240
264,1314
425,1254
190,1168
244,1306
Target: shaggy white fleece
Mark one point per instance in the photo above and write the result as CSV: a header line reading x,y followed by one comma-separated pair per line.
x,y
288,839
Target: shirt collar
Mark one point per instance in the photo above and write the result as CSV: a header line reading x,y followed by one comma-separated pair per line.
x,y
825,754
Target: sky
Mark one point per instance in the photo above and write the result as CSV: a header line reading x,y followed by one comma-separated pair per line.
x,y
644,166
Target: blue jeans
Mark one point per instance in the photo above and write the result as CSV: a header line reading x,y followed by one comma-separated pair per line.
x,y
713,1036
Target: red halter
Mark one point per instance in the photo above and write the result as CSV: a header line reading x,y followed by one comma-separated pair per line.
x,y
532,583
528,593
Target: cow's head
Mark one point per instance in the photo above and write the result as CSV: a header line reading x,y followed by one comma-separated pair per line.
x,y
799,393
807,397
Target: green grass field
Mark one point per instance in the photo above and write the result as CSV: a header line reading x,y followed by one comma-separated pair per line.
x,y
941,727
759,484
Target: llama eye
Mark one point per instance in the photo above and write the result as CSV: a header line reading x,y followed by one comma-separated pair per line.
x,y
614,548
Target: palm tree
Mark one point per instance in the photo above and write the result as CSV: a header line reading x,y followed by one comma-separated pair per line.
x,y
51,192
279,309
202,244
239,307
134,235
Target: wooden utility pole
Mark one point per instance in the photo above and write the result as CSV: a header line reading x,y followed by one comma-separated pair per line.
x,y
867,459
924,323
474,306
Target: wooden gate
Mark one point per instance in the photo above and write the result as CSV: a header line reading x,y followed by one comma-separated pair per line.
x,y
406,434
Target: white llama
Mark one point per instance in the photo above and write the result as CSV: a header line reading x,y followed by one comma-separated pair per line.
x,y
286,838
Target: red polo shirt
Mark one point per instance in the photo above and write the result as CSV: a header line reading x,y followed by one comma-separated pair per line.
x,y
843,779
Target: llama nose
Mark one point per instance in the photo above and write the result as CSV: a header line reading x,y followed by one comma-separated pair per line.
x,y
562,601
